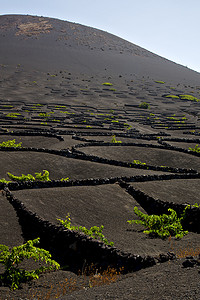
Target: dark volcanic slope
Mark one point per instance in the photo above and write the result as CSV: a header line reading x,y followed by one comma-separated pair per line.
x,y
46,44
72,96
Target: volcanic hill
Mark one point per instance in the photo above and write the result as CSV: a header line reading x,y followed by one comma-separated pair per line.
x,y
45,43
116,127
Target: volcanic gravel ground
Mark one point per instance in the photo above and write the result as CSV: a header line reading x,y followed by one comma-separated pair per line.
x,y
72,92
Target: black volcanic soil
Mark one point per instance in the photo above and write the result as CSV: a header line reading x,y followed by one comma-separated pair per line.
x,y
53,97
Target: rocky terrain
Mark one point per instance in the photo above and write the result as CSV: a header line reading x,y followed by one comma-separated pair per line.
x,y
112,123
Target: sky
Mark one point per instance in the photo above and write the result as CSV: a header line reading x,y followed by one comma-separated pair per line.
x,y
169,28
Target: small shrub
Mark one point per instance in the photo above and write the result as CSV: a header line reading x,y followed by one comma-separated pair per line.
x,y
95,232
42,177
194,205
13,275
8,106
3,180
195,149
10,143
60,106
45,115
128,127
21,178
107,84
172,96
114,140
144,105
161,226
159,81
64,179
171,118
29,177
13,115
137,162
189,97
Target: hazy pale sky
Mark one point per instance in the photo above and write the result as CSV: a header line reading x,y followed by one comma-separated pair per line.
x,y
170,28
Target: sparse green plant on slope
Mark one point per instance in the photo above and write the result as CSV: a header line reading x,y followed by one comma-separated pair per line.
x,y
107,84
195,149
13,115
189,97
13,275
42,177
45,115
29,177
7,106
114,140
95,232
183,97
161,226
144,105
3,180
172,96
137,162
159,81
21,178
194,205
64,179
10,143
